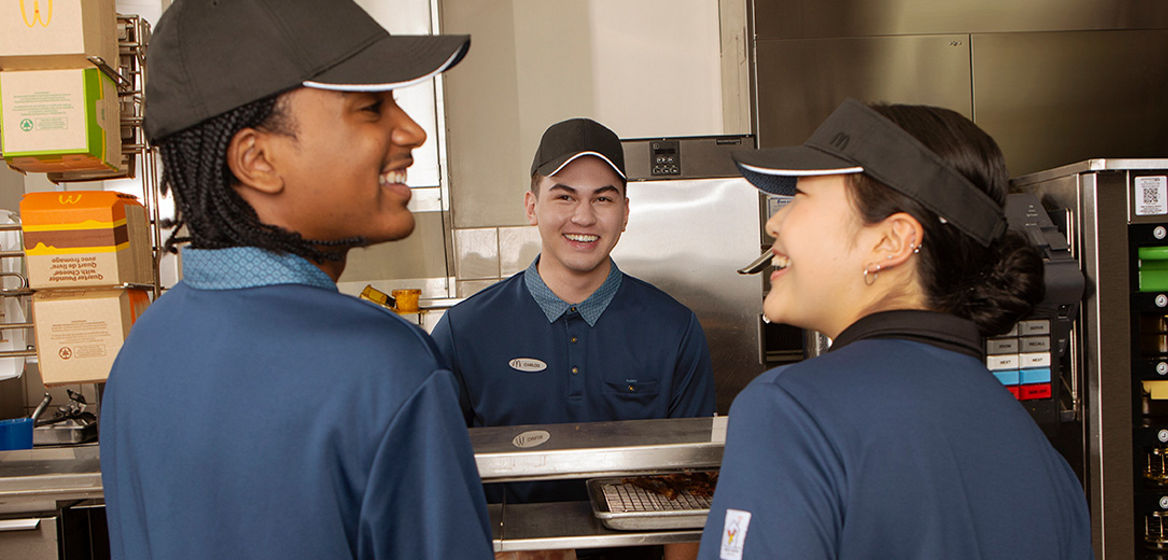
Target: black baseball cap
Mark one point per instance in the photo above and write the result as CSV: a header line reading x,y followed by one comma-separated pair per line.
x,y
207,57
857,139
567,140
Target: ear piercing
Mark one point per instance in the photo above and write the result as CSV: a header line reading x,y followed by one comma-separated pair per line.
x,y
870,274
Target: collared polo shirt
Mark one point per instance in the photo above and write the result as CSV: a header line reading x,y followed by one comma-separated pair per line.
x,y
255,412
590,309
898,443
628,352
523,356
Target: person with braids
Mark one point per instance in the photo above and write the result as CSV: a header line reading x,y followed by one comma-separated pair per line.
x,y
254,411
898,442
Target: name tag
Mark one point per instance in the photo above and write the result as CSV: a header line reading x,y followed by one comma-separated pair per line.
x,y
527,365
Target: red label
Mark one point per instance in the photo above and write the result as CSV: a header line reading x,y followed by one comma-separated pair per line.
x,y
1035,391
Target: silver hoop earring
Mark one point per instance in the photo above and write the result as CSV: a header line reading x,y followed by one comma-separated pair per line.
x,y
870,276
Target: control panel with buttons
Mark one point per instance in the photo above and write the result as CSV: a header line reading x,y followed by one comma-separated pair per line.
x,y
1021,359
665,158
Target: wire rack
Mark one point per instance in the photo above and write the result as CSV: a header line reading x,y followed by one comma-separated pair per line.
x,y
129,75
626,498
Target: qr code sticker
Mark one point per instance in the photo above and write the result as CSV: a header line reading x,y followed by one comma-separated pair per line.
x,y
1151,195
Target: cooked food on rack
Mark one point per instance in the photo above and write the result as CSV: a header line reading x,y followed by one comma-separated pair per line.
x,y
698,484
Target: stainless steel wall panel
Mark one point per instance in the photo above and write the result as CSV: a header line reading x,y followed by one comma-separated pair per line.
x,y
687,237
802,19
1053,98
800,82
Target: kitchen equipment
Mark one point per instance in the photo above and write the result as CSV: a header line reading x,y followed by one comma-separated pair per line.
x,y
624,506
1114,433
759,264
36,413
693,221
71,424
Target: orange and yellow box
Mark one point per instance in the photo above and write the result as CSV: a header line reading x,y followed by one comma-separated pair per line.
x,y
85,238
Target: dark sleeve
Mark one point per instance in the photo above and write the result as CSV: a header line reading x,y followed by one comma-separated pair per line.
x,y
780,470
425,499
443,335
693,376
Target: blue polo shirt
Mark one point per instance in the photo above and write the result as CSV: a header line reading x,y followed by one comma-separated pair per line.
x,y
255,412
524,356
898,443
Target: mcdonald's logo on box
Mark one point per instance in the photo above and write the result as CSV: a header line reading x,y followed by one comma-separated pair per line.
x,y
42,34
85,238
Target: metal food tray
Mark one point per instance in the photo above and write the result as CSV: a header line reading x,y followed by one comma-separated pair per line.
x,y
625,507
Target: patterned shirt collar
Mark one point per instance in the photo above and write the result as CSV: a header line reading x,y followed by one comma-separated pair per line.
x,y
248,267
590,309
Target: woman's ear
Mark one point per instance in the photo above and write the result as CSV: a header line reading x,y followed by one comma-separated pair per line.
x,y
901,237
249,158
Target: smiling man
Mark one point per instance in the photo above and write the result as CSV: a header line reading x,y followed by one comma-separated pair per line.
x,y
572,338
254,411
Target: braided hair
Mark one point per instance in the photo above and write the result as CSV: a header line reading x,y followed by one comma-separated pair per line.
x,y
992,286
195,169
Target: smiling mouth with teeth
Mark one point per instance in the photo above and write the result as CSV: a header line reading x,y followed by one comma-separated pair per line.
x,y
581,237
392,177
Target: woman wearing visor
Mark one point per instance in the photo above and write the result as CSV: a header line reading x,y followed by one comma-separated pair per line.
x,y
897,443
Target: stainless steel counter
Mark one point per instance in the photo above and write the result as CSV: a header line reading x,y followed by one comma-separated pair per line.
x,y
33,480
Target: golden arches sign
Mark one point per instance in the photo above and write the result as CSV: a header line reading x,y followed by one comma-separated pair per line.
x,y
37,13
68,199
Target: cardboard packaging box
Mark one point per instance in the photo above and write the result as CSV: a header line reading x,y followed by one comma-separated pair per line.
x,y
85,238
41,34
79,332
60,120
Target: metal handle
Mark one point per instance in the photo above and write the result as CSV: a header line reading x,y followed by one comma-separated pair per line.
x,y
41,407
30,524
759,264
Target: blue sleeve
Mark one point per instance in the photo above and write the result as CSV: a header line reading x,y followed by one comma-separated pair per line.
x,y
693,390
443,336
425,499
779,468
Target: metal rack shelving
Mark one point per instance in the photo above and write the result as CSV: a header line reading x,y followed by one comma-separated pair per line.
x,y
588,450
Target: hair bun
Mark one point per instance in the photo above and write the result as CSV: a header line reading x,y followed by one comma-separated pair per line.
x,y
1009,289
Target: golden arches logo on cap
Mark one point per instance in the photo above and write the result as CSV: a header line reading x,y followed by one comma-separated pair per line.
x,y
68,199
37,13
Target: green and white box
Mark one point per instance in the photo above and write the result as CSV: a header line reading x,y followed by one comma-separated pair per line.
x,y
60,120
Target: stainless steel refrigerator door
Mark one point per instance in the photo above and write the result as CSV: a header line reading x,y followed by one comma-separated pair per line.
x,y
687,237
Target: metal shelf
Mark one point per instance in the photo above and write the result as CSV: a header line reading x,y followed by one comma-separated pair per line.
x,y
559,525
595,449
588,450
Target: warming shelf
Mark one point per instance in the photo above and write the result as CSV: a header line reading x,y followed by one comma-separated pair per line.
x,y
594,449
